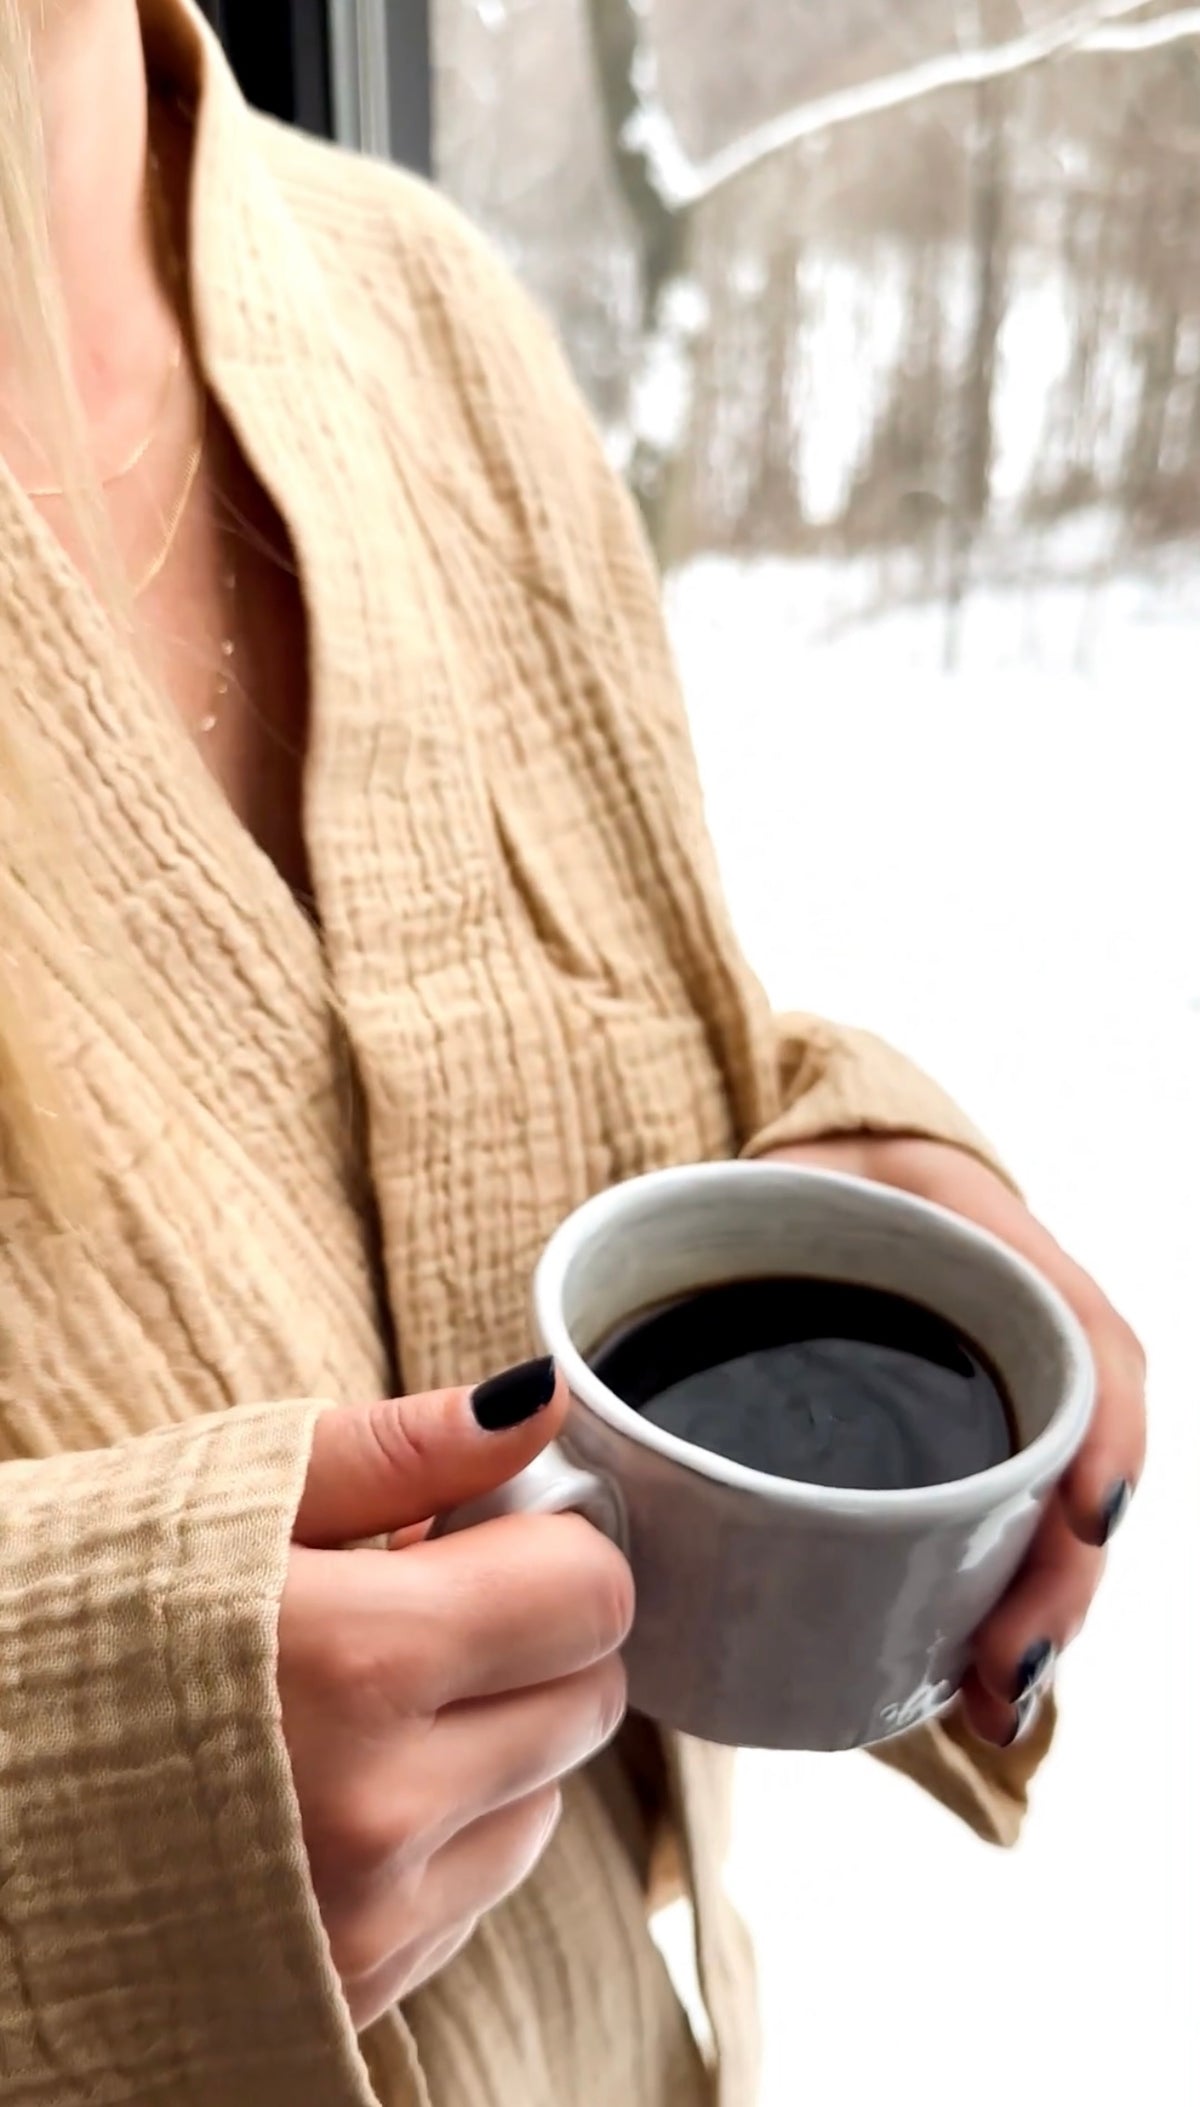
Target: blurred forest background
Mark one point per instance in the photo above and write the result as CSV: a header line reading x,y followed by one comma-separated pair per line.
x,y
909,280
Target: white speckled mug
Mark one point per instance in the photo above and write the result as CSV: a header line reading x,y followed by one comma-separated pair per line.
x,y
773,1614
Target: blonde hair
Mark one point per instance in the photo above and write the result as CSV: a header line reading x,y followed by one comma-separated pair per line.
x,y
35,1137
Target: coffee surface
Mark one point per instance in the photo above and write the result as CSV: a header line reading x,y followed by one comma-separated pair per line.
x,y
825,1382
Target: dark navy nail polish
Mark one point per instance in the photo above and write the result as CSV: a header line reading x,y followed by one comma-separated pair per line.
x,y
507,1400
1033,1667
1114,1511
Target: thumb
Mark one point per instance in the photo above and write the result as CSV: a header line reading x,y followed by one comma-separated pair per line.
x,y
379,1467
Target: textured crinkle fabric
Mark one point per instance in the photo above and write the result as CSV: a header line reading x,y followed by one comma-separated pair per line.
x,y
525,954
150,1856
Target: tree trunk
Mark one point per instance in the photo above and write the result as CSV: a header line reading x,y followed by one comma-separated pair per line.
x,y
773,510
665,359
975,437
898,492
1156,351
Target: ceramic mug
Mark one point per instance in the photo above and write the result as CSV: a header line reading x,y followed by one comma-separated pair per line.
x,y
773,1614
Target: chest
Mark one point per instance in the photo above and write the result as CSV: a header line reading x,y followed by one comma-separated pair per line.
x,y
490,965
229,638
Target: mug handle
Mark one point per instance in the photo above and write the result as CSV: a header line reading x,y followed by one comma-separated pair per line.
x,y
551,1484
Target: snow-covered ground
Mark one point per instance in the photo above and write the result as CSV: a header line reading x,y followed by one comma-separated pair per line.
x,y
999,869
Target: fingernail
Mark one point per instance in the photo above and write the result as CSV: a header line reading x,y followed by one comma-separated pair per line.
x,y
508,1400
1114,1511
1024,1714
1032,1669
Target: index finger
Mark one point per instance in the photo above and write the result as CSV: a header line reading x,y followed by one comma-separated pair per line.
x,y
499,1607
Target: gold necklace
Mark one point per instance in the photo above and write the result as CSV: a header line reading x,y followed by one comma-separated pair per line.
x,y
225,674
140,451
224,677
195,460
178,511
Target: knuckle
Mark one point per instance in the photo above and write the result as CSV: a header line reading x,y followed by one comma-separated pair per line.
x,y
371,1678
589,1707
427,1957
623,1600
532,1832
360,1838
350,1668
398,1437
608,1583
372,1931
591,1584
376,1672
612,1696
1117,1344
374,1832
510,1846
354,1945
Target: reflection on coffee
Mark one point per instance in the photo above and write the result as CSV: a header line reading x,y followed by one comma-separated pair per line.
x,y
822,1381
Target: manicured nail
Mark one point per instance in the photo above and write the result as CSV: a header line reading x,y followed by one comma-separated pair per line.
x,y
1032,1669
1114,1511
507,1400
1024,1714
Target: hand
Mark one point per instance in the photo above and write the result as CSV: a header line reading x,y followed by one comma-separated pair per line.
x,y
1045,1607
434,1695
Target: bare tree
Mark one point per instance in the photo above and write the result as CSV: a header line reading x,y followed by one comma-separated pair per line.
x,y
986,242
933,172
663,188
684,183
773,506
639,137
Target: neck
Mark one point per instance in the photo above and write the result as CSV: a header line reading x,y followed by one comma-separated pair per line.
x,y
91,86
92,79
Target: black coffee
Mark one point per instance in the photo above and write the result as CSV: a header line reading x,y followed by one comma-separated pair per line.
x,y
817,1380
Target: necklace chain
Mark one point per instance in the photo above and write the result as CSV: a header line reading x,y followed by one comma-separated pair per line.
x,y
223,679
140,451
175,517
224,676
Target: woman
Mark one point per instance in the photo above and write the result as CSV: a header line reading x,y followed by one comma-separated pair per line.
x,y
358,922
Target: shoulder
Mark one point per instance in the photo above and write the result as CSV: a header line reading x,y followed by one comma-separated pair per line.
x,y
470,377
362,207
409,274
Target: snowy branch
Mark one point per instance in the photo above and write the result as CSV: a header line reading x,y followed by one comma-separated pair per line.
x,y
1146,36
649,133
682,184
654,172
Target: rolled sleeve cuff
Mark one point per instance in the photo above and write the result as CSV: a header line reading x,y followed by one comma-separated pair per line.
x,y
836,1079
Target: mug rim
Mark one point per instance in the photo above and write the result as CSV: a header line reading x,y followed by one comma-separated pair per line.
x,y
954,1499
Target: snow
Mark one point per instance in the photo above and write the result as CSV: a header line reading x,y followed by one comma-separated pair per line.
x,y
853,342
649,130
1080,29
848,351
661,390
999,869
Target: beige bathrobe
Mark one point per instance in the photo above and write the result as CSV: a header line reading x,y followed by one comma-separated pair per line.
x,y
524,949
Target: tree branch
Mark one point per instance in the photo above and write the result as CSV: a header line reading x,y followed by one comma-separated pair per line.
x,y
1145,36
681,186
651,168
